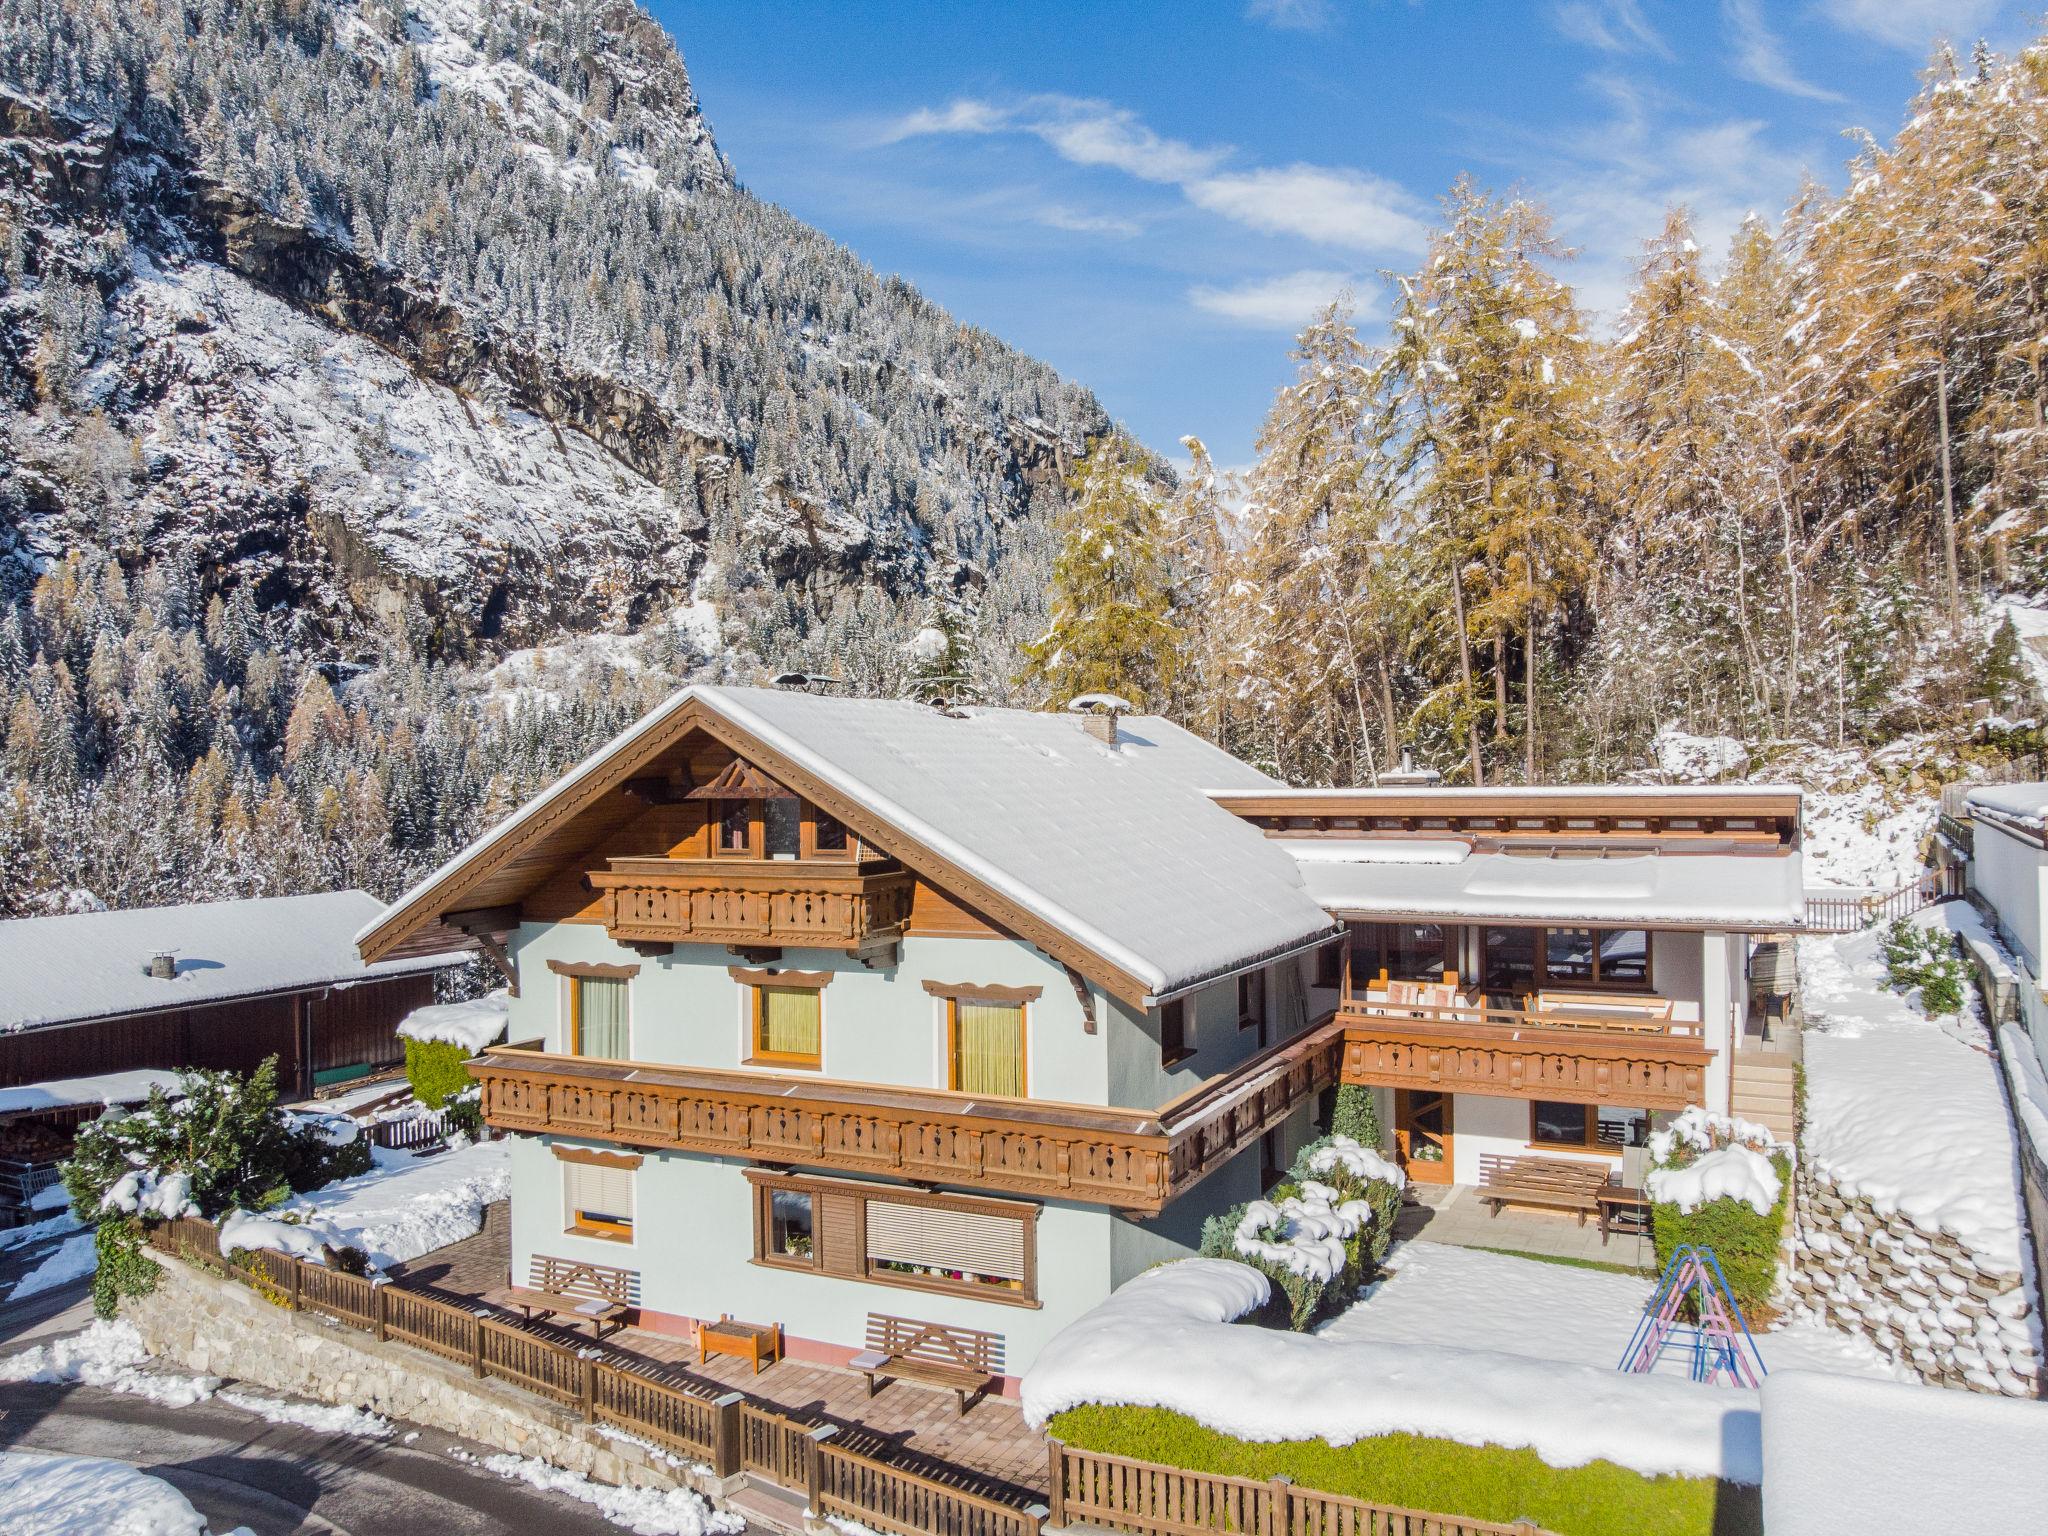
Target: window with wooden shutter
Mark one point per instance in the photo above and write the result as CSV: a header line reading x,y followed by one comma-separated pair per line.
x,y
599,1200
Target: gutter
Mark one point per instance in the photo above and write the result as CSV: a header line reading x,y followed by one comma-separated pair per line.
x,y
1258,963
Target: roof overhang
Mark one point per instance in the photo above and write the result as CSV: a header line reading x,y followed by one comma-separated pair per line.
x,y
1520,800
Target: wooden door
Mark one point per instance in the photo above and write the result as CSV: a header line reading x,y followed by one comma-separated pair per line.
x,y
1423,1134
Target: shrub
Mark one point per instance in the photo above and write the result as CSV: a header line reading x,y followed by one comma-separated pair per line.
x,y
436,1071
1743,1241
1356,1115
1927,959
123,1269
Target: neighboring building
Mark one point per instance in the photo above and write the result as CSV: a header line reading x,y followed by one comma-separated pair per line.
x,y
848,1006
208,984
2008,863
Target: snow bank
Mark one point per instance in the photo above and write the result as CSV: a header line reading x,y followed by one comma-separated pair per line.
x,y
71,1092
407,1206
73,1259
1691,759
110,1356
646,1511
1843,1455
472,1025
1166,1340
1904,1111
323,1418
1727,1173
305,1238
1703,1131
85,1496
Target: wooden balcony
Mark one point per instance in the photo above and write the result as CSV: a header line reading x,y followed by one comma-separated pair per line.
x,y
822,903
1576,1057
1132,1160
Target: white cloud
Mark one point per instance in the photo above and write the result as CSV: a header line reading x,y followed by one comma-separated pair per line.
x,y
1760,53
1283,303
1329,206
1292,15
1095,133
1912,24
1058,216
1612,26
962,115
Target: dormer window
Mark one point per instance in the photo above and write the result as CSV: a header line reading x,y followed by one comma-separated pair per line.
x,y
828,836
783,824
736,828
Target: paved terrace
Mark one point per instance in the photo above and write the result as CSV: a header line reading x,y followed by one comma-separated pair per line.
x,y
905,1423
1452,1213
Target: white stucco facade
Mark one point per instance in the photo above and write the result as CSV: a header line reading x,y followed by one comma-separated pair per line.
x,y
2010,871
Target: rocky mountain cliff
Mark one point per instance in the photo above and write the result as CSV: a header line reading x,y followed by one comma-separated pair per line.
x,y
448,318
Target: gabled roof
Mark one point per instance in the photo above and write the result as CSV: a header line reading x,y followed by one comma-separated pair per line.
x,y
1112,859
95,965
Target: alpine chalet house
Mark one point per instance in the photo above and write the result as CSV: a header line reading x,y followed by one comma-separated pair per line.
x,y
842,1008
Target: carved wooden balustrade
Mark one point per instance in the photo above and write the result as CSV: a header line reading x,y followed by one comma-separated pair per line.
x,y
1131,1160
1523,1054
825,903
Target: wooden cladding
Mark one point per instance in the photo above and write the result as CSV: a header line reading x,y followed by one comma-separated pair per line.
x,y
988,994
594,971
822,903
1643,1068
1129,1160
597,1159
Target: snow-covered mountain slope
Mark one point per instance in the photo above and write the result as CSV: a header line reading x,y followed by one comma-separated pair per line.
x,y
451,315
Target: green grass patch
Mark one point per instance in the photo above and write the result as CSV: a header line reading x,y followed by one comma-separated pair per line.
x,y
1439,1476
1571,1263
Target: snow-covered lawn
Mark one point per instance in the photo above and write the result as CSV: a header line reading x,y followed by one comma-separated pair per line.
x,y
406,1206
1842,1456
84,1496
1475,1300
1905,1111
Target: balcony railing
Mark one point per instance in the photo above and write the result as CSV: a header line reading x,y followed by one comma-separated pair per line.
x,y
1615,1051
816,902
1131,1160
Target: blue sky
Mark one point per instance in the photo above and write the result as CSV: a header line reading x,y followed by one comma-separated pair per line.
x,y
1153,196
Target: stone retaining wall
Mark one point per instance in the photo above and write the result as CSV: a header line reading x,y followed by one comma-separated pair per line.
x,y
1947,1315
217,1327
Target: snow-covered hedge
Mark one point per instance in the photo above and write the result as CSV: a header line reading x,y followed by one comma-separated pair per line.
x,y
1721,1183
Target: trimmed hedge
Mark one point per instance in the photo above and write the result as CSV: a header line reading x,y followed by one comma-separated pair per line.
x,y
436,1071
1745,1243
1480,1482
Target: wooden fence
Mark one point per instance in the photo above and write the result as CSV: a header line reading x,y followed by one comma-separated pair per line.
x,y
1852,913
1089,1488
728,1432
410,1134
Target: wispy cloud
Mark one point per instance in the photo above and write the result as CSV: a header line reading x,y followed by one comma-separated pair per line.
x,y
1283,303
1330,205
1293,15
1760,53
1059,216
1912,24
1612,26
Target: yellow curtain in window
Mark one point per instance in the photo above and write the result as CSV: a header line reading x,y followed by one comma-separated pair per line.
x,y
601,1018
789,1021
990,1042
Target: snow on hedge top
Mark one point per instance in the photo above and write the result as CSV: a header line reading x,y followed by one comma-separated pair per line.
x,y
1924,1458
472,1025
1901,1110
1167,1339
1726,1173
2026,804
94,965
73,1092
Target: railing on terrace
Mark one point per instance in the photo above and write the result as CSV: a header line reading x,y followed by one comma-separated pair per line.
x,y
1618,1018
1852,911
1089,1488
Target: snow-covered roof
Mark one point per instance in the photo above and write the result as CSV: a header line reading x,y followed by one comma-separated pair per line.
x,y
95,965
77,1092
2024,805
1456,878
1117,847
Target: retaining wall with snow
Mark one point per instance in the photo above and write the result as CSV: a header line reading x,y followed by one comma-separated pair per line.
x,y
217,1327
1952,1317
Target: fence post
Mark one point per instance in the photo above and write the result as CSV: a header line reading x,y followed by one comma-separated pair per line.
x,y
725,1434
378,1293
1279,1519
814,1469
476,1344
589,1389
298,1274
1056,1481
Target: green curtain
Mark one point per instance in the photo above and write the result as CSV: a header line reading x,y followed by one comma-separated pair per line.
x,y
991,1046
789,1021
601,1018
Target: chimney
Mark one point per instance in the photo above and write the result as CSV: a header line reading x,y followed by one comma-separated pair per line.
x,y
163,966
1408,776
1098,712
1102,726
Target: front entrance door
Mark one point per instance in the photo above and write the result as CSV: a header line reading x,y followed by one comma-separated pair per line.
x,y
1422,1134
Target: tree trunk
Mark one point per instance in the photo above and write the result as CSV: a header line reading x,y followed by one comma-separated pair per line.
x,y
1948,502
1465,668
1392,730
1500,686
1791,596
1529,695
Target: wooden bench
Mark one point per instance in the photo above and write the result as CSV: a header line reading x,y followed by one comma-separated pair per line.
x,y
1607,1010
571,1288
964,1359
1560,1183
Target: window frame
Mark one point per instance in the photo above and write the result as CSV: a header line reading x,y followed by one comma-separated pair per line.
x,y
1254,1000
754,1004
1174,1049
848,1199
764,1250
1381,933
1591,1132
723,808
569,1002
986,996
574,1221
1542,978
810,848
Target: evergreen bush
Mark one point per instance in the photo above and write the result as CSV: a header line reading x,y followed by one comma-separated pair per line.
x,y
1926,959
436,1071
1356,1114
1745,1243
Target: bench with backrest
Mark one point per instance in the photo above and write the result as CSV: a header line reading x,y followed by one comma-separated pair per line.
x,y
575,1290
1559,1183
964,1359
1609,1010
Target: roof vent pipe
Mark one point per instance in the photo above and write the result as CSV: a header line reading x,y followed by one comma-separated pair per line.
x,y
1408,775
1099,712
163,966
